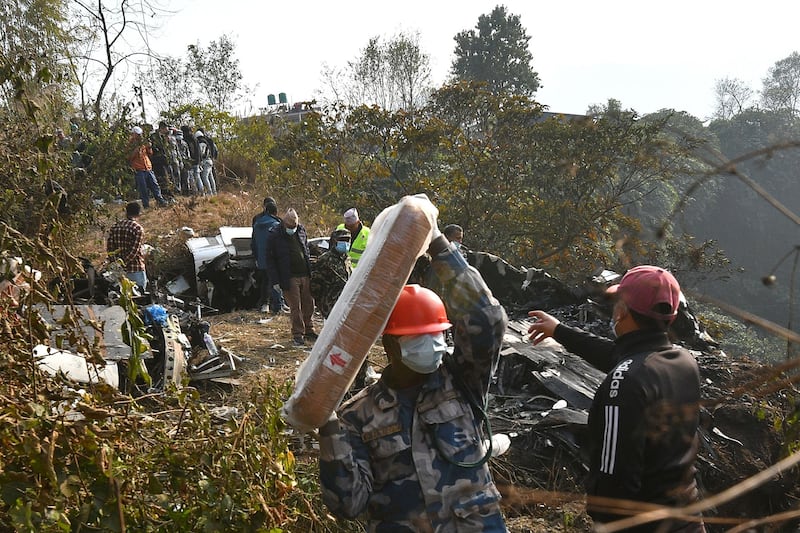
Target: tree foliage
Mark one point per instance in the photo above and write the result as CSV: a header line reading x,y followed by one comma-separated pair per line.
x,y
392,74
33,43
732,97
754,234
171,84
496,52
216,70
35,175
247,150
781,89
537,192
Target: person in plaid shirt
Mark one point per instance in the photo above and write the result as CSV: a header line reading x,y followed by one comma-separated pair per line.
x,y
125,240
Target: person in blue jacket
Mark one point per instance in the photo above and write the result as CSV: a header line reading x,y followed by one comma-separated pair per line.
x,y
269,299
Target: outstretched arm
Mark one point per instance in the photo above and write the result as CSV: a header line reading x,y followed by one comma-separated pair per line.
x,y
598,351
543,326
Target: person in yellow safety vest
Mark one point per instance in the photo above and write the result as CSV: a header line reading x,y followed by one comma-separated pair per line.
x,y
359,234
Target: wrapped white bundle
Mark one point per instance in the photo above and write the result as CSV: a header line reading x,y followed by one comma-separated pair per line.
x,y
399,235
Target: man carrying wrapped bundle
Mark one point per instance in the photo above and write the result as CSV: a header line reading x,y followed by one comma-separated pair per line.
x,y
408,451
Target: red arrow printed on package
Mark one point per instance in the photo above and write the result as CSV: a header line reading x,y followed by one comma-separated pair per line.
x,y
337,359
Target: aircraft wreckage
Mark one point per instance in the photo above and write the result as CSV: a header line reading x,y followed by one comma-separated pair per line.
x,y
540,395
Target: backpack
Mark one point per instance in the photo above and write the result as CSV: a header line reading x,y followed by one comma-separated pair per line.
x,y
202,147
212,148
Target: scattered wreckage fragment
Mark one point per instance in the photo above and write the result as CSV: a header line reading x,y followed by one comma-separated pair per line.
x,y
101,327
224,269
181,346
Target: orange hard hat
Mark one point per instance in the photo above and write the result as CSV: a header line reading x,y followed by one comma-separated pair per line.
x,y
417,311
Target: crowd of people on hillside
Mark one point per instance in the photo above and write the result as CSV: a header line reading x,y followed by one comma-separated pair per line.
x,y
178,160
166,161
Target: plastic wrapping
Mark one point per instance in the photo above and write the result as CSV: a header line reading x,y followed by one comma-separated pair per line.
x,y
399,235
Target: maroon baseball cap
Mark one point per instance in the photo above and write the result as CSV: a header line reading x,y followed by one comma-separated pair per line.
x,y
650,291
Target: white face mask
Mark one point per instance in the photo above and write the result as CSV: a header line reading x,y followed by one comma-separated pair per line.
x,y
422,353
290,231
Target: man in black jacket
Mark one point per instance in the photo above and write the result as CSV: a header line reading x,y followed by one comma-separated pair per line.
x,y
193,162
643,421
289,270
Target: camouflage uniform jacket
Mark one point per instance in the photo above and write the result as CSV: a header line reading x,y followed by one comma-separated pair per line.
x,y
328,277
387,453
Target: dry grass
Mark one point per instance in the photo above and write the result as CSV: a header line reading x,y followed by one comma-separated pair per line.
x,y
265,342
204,215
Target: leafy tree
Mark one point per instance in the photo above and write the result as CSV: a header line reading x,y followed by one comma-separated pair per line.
x,y
537,192
670,209
393,74
547,192
33,42
216,70
411,68
781,89
758,151
171,86
369,73
496,52
247,152
689,147
211,119
319,154
732,96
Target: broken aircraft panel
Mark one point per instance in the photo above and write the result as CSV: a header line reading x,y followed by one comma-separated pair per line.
x,y
109,337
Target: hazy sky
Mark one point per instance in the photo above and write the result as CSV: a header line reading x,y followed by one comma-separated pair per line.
x,y
647,54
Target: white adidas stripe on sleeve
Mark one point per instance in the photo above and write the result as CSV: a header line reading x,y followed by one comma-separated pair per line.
x,y
610,436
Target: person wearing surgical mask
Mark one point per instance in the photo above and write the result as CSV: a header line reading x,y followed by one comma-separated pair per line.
x,y
289,270
408,452
330,272
643,425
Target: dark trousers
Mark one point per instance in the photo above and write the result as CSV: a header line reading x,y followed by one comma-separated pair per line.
x,y
267,294
145,184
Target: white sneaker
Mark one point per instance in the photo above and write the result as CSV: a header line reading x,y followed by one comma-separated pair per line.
x,y
264,308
